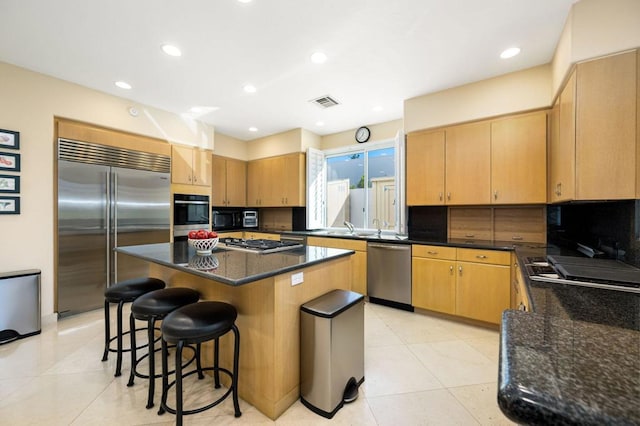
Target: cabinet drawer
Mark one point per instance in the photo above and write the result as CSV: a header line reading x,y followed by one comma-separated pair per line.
x,y
470,223
521,224
494,257
433,252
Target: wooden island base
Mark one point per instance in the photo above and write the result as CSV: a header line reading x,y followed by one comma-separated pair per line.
x,y
269,324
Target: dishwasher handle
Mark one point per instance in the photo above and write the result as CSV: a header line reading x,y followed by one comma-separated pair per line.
x,y
391,246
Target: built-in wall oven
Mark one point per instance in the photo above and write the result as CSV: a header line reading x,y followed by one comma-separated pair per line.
x,y
190,212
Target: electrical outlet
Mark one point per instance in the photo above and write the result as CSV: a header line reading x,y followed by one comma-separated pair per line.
x,y
297,278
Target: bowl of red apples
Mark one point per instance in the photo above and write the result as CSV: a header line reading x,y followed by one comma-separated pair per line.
x,y
203,241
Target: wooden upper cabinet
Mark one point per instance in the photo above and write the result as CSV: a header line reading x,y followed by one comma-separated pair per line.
x,y
468,164
190,166
519,159
562,163
606,138
425,168
277,181
229,182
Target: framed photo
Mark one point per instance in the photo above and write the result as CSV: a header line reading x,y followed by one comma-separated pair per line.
x,y
9,205
9,162
9,139
9,184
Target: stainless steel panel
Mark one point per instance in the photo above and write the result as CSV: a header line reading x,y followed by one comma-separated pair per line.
x,y
141,211
19,304
389,272
82,234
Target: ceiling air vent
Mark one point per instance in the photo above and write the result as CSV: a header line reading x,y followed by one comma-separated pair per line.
x,y
325,101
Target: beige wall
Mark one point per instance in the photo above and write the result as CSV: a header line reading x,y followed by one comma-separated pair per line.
x,y
310,140
278,144
379,132
596,28
518,91
30,102
228,146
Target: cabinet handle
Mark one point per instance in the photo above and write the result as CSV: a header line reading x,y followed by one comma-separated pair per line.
x,y
495,195
469,235
522,307
449,196
451,269
481,256
517,238
195,178
189,178
559,189
432,252
460,270
440,196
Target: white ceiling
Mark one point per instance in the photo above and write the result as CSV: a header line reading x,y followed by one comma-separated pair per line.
x,y
380,52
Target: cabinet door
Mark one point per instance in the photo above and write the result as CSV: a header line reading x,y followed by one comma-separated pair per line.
x,y
482,291
201,167
181,164
433,284
293,180
519,159
425,169
218,181
255,182
236,182
468,164
606,128
562,158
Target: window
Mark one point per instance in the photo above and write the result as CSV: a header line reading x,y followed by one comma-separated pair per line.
x,y
355,184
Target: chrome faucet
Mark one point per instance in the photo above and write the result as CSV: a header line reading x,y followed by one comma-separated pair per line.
x,y
378,222
350,226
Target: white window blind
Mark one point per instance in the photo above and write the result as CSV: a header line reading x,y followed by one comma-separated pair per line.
x,y
316,189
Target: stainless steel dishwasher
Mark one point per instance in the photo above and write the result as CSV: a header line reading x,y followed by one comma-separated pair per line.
x,y
389,274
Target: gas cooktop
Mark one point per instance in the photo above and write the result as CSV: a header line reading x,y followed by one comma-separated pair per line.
x,y
258,246
599,273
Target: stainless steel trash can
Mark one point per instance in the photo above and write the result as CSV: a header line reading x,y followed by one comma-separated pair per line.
x,y
19,304
331,351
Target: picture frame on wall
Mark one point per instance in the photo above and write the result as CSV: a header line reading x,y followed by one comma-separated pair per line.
x,y
9,205
9,162
9,139
9,184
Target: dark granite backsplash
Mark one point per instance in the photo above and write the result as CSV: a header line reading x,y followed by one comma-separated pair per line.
x,y
428,223
612,227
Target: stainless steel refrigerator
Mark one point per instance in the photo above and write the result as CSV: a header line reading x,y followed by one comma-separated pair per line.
x,y
107,197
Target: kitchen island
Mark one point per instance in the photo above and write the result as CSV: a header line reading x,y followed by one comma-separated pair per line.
x,y
575,359
267,290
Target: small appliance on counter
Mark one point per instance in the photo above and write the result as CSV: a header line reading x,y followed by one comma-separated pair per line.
x,y
249,219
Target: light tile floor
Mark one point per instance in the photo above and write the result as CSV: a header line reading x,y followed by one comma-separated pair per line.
x,y
419,370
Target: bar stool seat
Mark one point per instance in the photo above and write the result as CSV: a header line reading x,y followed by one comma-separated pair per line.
x,y
195,324
152,307
121,293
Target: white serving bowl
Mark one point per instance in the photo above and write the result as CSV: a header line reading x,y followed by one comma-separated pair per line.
x,y
204,247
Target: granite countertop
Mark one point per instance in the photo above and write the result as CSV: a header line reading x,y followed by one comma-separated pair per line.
x,y
575,359
232,267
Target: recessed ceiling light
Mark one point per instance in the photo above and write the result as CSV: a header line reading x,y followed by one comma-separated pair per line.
x,y
319,123
318,58
203,109
171,50
244,1
377,108
249,88
123,85
253,129
510,52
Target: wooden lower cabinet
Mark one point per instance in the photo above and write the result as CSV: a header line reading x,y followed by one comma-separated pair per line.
x,y
482,291
358,260
249,235
519,298
469,283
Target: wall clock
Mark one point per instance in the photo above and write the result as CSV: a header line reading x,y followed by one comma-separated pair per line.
x,y
363,134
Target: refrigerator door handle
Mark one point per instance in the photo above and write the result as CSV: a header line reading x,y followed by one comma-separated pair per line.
x,y
108,216
115,226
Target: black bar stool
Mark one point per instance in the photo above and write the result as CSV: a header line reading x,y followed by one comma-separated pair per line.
x,y
194,324
152,307
121,293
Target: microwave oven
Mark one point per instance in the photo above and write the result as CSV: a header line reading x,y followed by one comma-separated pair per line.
x,y
226,220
